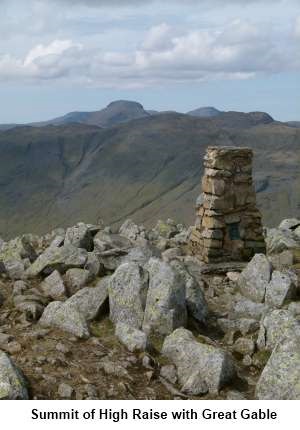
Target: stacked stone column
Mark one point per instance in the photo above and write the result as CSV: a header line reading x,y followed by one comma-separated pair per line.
x,y
228,224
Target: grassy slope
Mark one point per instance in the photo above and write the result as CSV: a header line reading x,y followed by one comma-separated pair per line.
x,y
146,169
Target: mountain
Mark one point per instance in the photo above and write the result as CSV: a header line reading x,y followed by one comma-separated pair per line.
x,y
145,169
205,112
295,124
115,113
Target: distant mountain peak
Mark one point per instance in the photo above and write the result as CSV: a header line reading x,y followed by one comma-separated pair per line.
x,y
205,112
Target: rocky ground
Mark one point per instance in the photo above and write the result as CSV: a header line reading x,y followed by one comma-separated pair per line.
x,y
86,313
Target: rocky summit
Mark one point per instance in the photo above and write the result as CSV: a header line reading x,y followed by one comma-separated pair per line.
x,y
89,312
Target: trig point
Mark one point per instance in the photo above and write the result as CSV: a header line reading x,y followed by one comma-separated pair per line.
x,y
228,224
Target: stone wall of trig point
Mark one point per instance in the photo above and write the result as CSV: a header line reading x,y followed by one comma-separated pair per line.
x,y
228,224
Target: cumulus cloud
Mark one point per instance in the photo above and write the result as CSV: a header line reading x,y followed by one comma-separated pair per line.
x,y
241,50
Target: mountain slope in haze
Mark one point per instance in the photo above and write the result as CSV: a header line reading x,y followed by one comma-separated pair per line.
x,y
146,169
115,113
205,112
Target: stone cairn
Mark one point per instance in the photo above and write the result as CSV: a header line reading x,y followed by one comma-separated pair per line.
x,y
228,225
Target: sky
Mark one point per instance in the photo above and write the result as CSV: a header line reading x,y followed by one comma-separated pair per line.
x,y
58,56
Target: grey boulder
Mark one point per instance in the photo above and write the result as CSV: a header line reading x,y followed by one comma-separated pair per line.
x,y
282,287
76,279
274,326
200,367
127,295
255,277
61,259
65,317
53,286
91,301
135,340
12,382
79,236
280,379
166,302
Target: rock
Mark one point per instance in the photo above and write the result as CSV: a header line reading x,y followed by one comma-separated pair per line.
x,y
15,269
12,382
134,340
91,301
19,288
79,236
57,241
93,266
195,300
31,309
245,308
274,326
278,240
280,378
195,385
235,395
289,224
181,238
283,260
53,286
244,346
282,287
61,259
76,279
294,308
140,254
127,295
195,360
65,391
255,277
166,304
131,231
233,276
104,241
171,254
166,230
169,373
65,317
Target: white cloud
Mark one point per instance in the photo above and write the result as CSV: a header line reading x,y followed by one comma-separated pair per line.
x,y
239,50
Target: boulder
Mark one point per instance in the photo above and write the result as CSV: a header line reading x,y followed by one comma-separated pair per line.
x,y
163,229
140,254
279,240
282,287
12,382
53,286
15,269
104,241
135,340
132,231
195,299
289,224
166,304
198,365
61,259
80,237
245,308
76,279
280,379
91,301
93,265
127,295
274,326
255,277
65,317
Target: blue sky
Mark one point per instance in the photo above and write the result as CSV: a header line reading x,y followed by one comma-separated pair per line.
x,y
58,56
